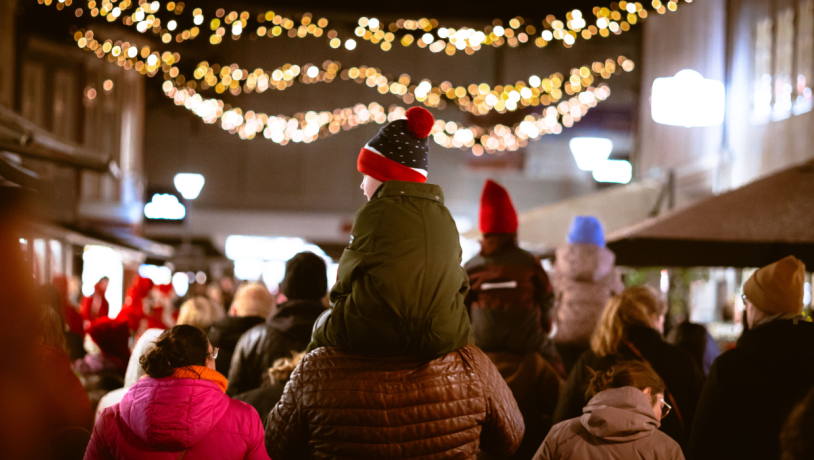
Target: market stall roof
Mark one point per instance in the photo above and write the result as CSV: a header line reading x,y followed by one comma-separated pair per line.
x,y
751,226
543,229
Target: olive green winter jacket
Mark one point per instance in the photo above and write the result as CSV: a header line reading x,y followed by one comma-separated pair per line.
x,y
400,288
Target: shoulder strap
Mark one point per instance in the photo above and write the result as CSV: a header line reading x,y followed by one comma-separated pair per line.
x,y
183,452
666,390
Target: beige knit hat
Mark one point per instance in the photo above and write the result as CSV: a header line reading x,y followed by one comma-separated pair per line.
x,y
778,287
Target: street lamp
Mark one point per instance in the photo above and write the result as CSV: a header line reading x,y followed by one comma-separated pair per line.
x,y
189,185
688,99
590,152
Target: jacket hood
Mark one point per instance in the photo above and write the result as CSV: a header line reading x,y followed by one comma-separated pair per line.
x,y
296,318
171,413
134,370
228,330
620,415
585,262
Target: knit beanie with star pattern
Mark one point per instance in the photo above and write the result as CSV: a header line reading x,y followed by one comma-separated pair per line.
x,y
401,149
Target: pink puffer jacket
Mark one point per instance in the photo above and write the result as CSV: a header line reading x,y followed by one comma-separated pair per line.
x,y
160,418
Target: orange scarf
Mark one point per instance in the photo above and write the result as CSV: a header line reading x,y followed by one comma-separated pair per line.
x,y
201,373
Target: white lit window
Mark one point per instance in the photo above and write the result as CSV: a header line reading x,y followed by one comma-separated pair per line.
x,y
805,66
762,78
784,60
98,262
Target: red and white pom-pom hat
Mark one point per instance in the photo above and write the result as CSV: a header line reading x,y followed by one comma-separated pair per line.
x,y
401,150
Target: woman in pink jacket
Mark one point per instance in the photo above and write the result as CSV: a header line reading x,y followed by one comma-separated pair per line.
x,y
179,409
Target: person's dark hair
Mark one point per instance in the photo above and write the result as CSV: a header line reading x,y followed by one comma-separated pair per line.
x,y
493,243
634,374
691,338
796,442
181,346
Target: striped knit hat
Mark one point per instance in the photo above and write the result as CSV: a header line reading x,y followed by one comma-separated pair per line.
x,y
401,149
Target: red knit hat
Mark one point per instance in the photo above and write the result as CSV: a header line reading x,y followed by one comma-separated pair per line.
x,y
401,149
497,214
111,335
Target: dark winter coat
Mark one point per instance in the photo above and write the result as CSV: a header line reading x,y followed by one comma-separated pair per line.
x,y
676,367
342,406
288,329
535,385
751,390
263,399
224,335
400,289
509,301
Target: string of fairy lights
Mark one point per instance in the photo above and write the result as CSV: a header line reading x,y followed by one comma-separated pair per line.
x,y
615,19
309,126
478,99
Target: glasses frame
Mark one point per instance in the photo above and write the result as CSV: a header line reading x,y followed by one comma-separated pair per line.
x,y
663,405
214,353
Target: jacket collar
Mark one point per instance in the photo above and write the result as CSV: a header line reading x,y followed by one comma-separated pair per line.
x,y
296,317
412,189
643,334
773,331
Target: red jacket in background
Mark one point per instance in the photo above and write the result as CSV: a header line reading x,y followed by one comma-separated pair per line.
x,y
133,307
96,305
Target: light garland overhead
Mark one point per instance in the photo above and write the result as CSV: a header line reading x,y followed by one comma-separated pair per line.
x,y
310,126
476,99
615,19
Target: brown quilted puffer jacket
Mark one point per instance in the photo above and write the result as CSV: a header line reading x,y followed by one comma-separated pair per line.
x,y
338,405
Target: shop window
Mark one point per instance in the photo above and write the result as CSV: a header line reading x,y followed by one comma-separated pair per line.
x,y
784,61
762,77
805,56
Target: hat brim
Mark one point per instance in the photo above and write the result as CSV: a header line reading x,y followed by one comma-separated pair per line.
x,y
382,169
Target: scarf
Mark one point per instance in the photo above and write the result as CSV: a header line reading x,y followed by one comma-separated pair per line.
x,y
778,317
201,373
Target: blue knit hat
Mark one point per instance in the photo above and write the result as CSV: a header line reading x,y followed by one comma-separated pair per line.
x,y
586,230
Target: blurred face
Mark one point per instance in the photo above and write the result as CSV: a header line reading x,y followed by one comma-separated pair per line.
x,y
210,357
659,406
369,186
658,322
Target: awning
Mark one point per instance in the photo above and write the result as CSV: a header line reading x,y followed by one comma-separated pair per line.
x,y
18,135
121,239
751,226
544,229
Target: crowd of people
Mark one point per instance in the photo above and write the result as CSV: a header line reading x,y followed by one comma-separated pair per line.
x,y
415,354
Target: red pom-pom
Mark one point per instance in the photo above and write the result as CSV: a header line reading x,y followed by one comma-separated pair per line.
x,y
419,122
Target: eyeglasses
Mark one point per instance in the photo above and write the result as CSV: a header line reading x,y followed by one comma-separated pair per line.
x,y
214,352
665,408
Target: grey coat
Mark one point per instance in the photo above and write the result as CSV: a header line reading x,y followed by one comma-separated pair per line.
x,y
616,424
